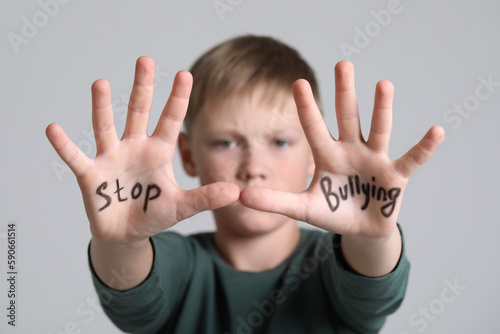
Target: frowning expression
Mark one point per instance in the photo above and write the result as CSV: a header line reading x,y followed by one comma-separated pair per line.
x,y
250,140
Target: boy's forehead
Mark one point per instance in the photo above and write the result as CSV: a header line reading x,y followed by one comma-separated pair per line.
x,y
276,100
257,113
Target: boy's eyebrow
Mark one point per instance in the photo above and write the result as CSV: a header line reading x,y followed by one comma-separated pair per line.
x,y
263,133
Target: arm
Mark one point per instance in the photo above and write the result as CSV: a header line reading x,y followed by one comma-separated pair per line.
x,y
150,305
364,302
374,257
122,266
129,188
356,190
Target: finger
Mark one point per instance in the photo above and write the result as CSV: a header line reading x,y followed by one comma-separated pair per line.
x,y
139,105
418,154
346,104
312,121
210,197
175,109
102,117
67,150
380,131
281,202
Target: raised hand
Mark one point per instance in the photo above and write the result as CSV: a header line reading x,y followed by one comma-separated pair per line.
x,y
129,189
356,188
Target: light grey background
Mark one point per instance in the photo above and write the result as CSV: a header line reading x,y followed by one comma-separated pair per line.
x,y
434,53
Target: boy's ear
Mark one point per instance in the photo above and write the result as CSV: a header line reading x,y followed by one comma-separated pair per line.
x,y
186,154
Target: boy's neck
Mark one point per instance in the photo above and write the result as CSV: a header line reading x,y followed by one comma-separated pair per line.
x,y
259,253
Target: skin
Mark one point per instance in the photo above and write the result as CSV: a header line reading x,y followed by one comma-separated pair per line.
x,y
261,144
258,199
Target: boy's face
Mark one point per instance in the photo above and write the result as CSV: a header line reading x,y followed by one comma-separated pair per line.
x,y
250,142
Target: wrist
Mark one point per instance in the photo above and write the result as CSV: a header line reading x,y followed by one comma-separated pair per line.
x,y
372,256
122,266
377,240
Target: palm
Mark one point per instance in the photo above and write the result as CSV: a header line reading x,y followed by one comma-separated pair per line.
x,y
133,166
129,189
342,197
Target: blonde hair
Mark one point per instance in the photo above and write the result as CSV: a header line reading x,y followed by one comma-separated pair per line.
x,y
241,64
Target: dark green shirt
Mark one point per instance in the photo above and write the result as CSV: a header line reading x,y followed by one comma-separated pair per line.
x,y
192,290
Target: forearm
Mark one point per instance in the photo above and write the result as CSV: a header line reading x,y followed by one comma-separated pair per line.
x,y
121,266
373,257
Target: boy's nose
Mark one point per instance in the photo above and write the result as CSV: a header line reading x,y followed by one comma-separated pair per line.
x,y
252,166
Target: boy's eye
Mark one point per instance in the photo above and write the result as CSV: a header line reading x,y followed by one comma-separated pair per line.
x,y
280,142
225,143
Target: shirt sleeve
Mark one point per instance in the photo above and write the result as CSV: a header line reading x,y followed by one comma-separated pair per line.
x,y
148,306
361,302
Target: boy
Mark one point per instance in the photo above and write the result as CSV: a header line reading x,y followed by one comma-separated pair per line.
x,y
253,143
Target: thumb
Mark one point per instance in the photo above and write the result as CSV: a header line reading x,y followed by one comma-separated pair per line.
x,y
282,202
210,197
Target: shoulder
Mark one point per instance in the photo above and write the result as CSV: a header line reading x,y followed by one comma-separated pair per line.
x,y
178,237
189,243
313,234
315,243
316,237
